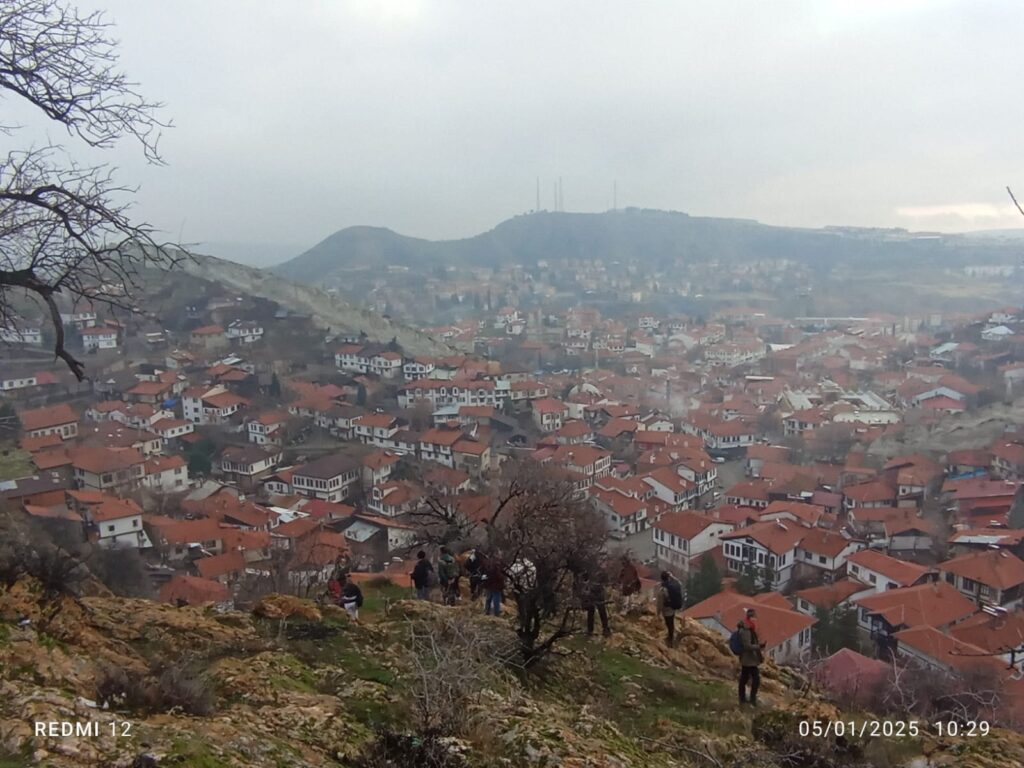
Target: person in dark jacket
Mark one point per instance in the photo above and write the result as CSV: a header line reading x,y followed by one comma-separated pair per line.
x,y
670,600
629,577
493,584
351,598
421,576
751,657
591,592
448,577
474,566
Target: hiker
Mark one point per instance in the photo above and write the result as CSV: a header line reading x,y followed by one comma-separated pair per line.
x,y
351,598
493,577
421,574
591,592
670,600
629,577
751,657
475,568
448,577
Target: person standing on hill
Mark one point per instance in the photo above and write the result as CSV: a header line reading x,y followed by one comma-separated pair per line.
x,y
448,577
670,600
751,657
351,598
421,574
592,597
493,584
475,569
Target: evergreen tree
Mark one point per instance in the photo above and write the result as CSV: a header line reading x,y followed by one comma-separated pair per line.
x,y
361,395
200,457
275,387
704,582
746,584
393,345
767,579
836,629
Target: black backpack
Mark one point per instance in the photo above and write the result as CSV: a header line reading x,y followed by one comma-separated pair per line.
x,y
675,594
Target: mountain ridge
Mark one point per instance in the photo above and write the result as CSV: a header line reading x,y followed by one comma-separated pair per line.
x,y
658,237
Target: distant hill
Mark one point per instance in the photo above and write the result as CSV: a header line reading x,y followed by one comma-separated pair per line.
x,y
656,237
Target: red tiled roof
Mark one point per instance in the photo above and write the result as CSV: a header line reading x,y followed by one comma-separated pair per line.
x,y
993,568
220,565
899,571
935,604
686,525
777,536
44,418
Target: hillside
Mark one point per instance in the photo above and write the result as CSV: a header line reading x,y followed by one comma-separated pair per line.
x,y
292,687
327,311
656,237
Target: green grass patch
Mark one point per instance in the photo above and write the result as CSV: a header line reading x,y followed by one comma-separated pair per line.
x,y
14,462
639,695
377,593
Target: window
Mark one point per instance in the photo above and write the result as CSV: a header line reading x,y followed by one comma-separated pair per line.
x,y
821,559
110,529
951,578
871,578
864,615
854,568
135,522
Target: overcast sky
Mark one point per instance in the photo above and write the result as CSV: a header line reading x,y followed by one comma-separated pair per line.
x,y
295,119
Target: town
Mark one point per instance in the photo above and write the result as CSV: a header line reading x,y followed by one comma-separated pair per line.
x,y
858,482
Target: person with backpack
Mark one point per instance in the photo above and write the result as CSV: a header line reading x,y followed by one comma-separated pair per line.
x,y
493,576
334,589
670,600
421,574
448,577
745,643
351,598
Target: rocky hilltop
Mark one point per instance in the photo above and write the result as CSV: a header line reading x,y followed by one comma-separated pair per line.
x,y
291,685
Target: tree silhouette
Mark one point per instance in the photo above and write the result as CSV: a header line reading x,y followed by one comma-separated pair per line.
x,y
64,227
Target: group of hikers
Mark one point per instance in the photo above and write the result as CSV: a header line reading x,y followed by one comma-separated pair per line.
x,y
486,575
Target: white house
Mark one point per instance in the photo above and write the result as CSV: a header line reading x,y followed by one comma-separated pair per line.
x,y
166,473
882,573
680,537
764,549
30,336
118,523
99,338
330,478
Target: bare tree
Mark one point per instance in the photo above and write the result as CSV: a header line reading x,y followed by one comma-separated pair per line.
x,y
546,539
65,228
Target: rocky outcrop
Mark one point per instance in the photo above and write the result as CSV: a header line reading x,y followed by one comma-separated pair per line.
x,y
297,686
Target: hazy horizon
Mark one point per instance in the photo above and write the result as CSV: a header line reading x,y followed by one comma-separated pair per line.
x,y
435,119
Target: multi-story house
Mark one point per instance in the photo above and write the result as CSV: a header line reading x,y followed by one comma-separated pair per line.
x,y
210,405
766,551
168,474
267,428
548,414
436,444
883,573
379,429
105,469
394,498
99,337
54,420
244,331
117,523
991,577
682,538
331,478
248,465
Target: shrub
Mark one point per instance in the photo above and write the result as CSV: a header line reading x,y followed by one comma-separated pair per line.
x,y
402,750
182,687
